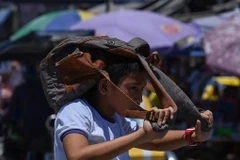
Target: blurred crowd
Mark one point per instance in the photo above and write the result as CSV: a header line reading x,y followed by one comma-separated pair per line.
x,y
24,110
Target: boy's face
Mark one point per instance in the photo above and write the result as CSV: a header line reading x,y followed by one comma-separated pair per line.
x,y
132,85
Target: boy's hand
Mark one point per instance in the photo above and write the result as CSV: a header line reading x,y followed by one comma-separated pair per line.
x,y
162,116
199,135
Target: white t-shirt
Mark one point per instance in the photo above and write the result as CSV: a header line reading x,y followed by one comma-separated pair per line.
x,y
79,117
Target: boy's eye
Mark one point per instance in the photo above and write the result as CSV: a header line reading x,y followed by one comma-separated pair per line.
x,y
134,88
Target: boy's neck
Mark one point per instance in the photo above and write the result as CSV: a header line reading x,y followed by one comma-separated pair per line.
x,y
104,110
105,113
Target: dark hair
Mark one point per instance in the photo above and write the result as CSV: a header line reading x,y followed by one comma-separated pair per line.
x,y
117,67
120,67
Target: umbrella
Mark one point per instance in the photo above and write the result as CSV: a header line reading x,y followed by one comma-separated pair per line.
x,y
160,31
57,20
222,47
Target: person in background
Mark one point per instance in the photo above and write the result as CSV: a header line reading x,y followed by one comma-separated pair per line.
x,y
26,116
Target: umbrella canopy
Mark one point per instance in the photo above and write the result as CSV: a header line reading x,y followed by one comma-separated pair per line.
x,y
222,47
57,20
160,31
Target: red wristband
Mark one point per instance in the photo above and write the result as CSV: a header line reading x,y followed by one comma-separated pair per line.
x,y
188,136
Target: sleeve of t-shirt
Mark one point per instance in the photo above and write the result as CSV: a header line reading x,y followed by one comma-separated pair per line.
x,y
74,117
129,125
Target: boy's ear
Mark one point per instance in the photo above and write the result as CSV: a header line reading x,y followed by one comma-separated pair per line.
x,y
102,86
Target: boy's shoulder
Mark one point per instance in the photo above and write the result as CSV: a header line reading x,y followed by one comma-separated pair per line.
x,y
76,106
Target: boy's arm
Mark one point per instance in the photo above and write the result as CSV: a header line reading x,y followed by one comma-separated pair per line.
x,y
177,139
172,140
76,146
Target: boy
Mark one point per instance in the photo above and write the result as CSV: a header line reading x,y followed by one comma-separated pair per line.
x,y
92,127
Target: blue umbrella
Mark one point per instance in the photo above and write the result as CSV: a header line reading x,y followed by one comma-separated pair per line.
x,y
160,31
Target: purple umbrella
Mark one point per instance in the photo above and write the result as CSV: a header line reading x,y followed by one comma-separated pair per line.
x,y
222,47
159,31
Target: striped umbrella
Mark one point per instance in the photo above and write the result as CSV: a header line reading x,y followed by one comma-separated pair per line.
x,y
53,21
